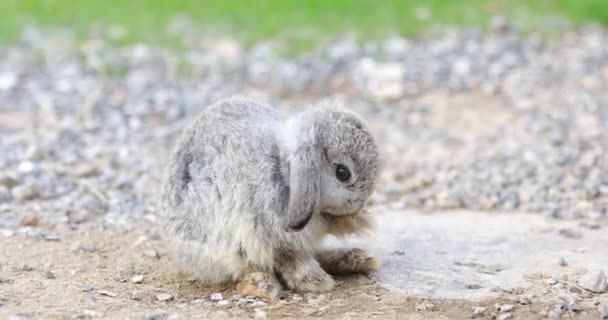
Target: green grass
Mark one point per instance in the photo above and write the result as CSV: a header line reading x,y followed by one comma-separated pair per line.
x,y
298,22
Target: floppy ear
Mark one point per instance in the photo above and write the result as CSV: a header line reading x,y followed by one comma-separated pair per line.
x,y
304,191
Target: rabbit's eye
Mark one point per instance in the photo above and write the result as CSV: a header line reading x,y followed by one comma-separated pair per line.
x,y
342,173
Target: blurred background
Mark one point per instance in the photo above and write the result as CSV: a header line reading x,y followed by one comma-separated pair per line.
x,y
492,118
302,24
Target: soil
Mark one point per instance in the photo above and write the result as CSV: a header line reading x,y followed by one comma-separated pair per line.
x,y
92,271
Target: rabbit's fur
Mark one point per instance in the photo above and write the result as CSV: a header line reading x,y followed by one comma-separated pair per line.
x,y
247,191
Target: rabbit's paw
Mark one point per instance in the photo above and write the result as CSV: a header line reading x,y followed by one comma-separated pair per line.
x,y
261,285
309,277
343,261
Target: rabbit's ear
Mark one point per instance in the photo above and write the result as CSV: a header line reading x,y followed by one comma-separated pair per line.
x,y
304,188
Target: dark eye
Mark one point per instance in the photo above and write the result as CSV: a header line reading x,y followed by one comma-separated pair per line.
x,y
342,173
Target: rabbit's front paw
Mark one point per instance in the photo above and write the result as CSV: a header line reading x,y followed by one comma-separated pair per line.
x,y
309,278
344,261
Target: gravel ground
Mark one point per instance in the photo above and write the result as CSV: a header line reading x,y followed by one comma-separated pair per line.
x,y
487,121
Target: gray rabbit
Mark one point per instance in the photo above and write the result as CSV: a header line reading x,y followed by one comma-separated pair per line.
x,y
248,192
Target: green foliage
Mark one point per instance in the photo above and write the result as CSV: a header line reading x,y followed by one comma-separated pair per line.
x,y
300,22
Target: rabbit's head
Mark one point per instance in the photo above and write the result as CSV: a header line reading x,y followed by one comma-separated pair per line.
x,y
333,164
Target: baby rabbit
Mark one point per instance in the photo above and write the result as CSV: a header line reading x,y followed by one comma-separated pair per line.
x,y
248,192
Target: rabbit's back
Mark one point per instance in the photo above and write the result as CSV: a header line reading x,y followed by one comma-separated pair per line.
x,y
222,190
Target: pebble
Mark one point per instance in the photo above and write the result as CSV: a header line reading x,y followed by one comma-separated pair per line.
x,y
25,192
216,296
155,315
594,281
83,248
107,293
49,275
258,304
27,268
505,316
506,308
570,233
87,287
554,315
260,315
30,221
571,303
51,236
137,278
151,253
8,181
164,297
478,312
317,300
7,233
174,316
137,295
562,262
603,310
223,303
425,306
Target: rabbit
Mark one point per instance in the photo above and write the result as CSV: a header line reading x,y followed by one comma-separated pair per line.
x,y
247,192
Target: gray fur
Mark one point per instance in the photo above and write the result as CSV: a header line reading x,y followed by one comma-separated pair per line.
x,y
242,182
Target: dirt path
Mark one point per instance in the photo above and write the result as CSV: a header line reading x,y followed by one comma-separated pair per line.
x,y
89,274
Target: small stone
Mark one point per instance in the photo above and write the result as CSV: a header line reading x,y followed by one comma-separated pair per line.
x,y
554,315
137,295
236,297
30,221
505,316
155,315
603,309
260,315
83,248
138,278
7,233
223,303
8,181
92,314
87,287
594,281
151,253
570,233
216,296
86,171
506,308
25,315
317,300
164,297
34,153
25,192
107,293
473,286
49,275
27,268
524,300
174,316
478,312
50,236
425,306
562,262
571,303
258,304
